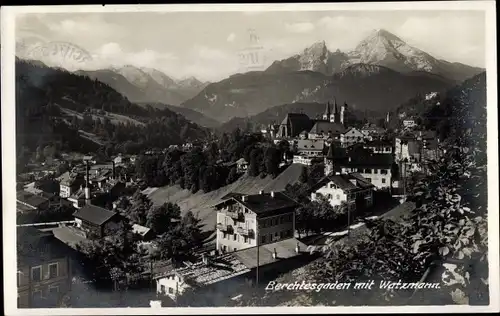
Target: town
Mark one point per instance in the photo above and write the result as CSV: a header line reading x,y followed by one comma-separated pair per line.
x,y
73,202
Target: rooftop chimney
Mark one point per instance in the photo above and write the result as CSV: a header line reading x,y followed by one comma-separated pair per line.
x,y
243,198
349,159
272,193
261,192
275,254
204,259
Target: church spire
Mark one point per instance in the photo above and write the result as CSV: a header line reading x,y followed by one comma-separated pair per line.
x,y
326,116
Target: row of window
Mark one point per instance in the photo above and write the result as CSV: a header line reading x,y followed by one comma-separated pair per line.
x,y
236,237
276,236
36,273
269,222
38,294
369,170
165,289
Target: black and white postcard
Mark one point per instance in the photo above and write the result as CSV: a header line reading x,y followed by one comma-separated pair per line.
x,y
251,158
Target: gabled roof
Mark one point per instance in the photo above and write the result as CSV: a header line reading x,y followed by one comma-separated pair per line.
x,y
298,122
325,127
262,204
343,181
94,214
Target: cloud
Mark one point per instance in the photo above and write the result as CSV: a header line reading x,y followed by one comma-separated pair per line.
x,y
231,37
301,27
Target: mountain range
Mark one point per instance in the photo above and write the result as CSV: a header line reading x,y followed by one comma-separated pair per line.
x,y
380,48
378,75
147,84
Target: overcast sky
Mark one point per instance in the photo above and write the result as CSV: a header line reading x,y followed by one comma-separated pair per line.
x,y
206,44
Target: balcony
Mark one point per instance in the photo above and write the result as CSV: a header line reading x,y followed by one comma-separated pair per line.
x,y
225,228
245,232
237,216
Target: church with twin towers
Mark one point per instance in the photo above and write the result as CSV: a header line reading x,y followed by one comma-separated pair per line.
x,y
330,125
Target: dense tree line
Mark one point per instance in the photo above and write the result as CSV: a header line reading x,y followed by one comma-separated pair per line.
x,y
212,166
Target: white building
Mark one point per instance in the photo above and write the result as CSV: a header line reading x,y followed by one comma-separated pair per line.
x,y
352,136
352,189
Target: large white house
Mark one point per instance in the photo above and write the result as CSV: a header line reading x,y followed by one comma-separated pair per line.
x,y
352,189
352,136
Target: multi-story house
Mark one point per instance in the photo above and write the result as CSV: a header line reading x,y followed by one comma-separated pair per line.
x,y
375,168
245,221
43,269
352,189
97,222
415,146
352,136
310,147
69,183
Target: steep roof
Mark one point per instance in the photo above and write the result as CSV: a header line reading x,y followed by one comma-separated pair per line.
x,y
94,214
298,122
327,109
262,204
325,127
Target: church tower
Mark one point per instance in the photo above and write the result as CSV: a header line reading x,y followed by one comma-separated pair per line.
x,y
343,108
327,113
329,161
334,116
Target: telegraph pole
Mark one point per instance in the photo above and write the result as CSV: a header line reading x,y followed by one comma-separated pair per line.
x,y
258,257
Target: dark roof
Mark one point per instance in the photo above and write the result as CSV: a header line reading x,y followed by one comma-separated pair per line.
x,y
262,204
325,127
94,214
30,198
310,144
35,246
298,123
343,181
378,143
365,158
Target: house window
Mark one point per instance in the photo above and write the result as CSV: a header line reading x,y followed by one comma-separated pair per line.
x,y
234,249
224,235
370,180
383,180
54,270
224,248
375,171
246,239
338,196
383,171
36,273
368,170
170,290
263,239
235,237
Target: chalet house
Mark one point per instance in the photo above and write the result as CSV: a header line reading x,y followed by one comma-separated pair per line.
x,y
352,136
69,183
97,222
379,147
28,202
245,221
43,269
352,189
293,124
